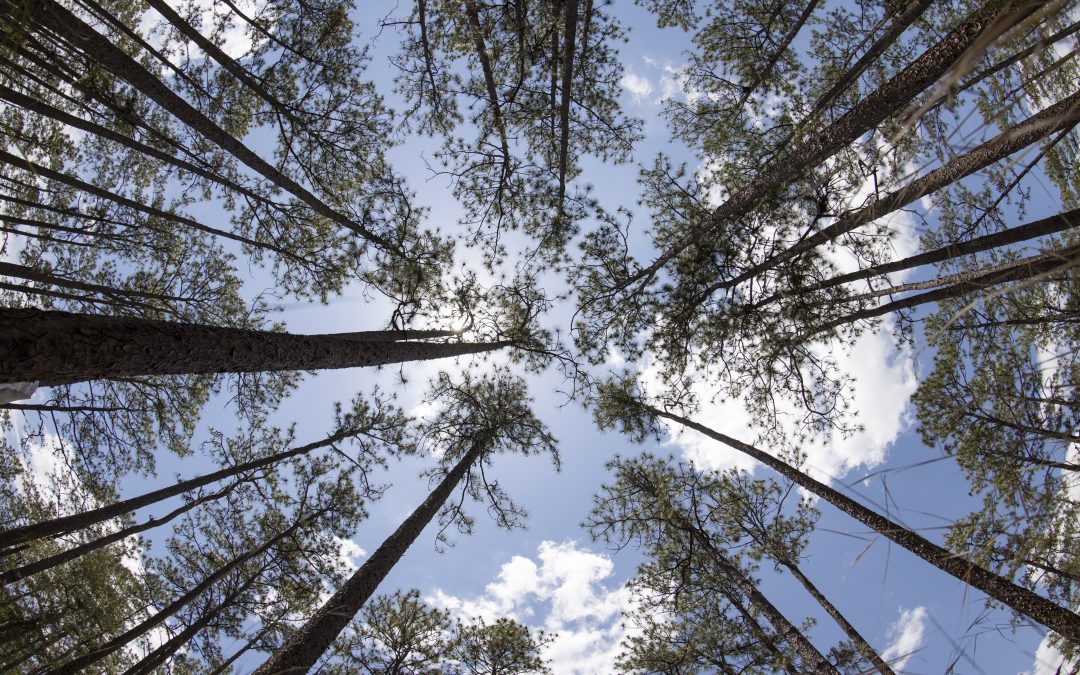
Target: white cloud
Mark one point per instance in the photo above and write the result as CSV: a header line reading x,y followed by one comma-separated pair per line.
x,y
1050,661
907,635
563,592
637,85
349,553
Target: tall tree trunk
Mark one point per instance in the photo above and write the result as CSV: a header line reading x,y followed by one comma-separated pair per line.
x,y
969,282
78,521
571,10
56,348
71,181
774,58
309,643
853,634
155,658
813,660
1014,235
96,46
52,561
911,12
1022,600
151,622
1062,115
45,110
986,23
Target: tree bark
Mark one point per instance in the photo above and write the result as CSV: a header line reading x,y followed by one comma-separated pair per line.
x,y
93,656
853,634
55,348
1022,600
100,49
309,643
1062,115
884,101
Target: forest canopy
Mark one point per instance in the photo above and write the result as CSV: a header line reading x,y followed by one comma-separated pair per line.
x,y
317,316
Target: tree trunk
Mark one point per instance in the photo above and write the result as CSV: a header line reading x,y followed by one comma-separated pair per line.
x,y
78,521
175,606
1022,600
884,101
103,51
71,181
52,561
1062,115
571,10
911,12
812,658
860,643
55,348
972,282
309,643
155,658
1014,235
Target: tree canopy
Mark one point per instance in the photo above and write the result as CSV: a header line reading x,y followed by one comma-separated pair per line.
x,y
286,285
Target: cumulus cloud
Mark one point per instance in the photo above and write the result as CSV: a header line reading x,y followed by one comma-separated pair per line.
x,y
638,86
349,553
561,591
1050,661
907,637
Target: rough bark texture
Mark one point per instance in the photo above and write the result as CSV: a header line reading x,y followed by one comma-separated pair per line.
x,y
1055,617
56,348
1062,115
92,657
853,634
100,49
309,643
886,100
78,521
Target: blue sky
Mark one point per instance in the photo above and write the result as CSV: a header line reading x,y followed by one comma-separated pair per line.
x,y
551,575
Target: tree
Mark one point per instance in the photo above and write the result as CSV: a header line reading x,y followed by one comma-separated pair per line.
x,y
667,510
639,419
395,634
504,647
481,418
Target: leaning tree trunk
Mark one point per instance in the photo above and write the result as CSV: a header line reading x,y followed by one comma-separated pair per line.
x,y
65,524
96,654
886,100
55,348
853,634
1057,618
309,643
811,657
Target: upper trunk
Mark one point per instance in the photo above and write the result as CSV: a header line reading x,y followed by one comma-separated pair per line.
x,y
55,348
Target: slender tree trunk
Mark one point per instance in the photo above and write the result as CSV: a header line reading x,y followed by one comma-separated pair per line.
x,y
971,282
1062,115
309,643
63,525
1014,235
911,12
477,31
812,658
986,23
52,15
30,274
155,658
785,42
71,181
1022,600
853,634
55,348
571,10
45,110
151,622
52,561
